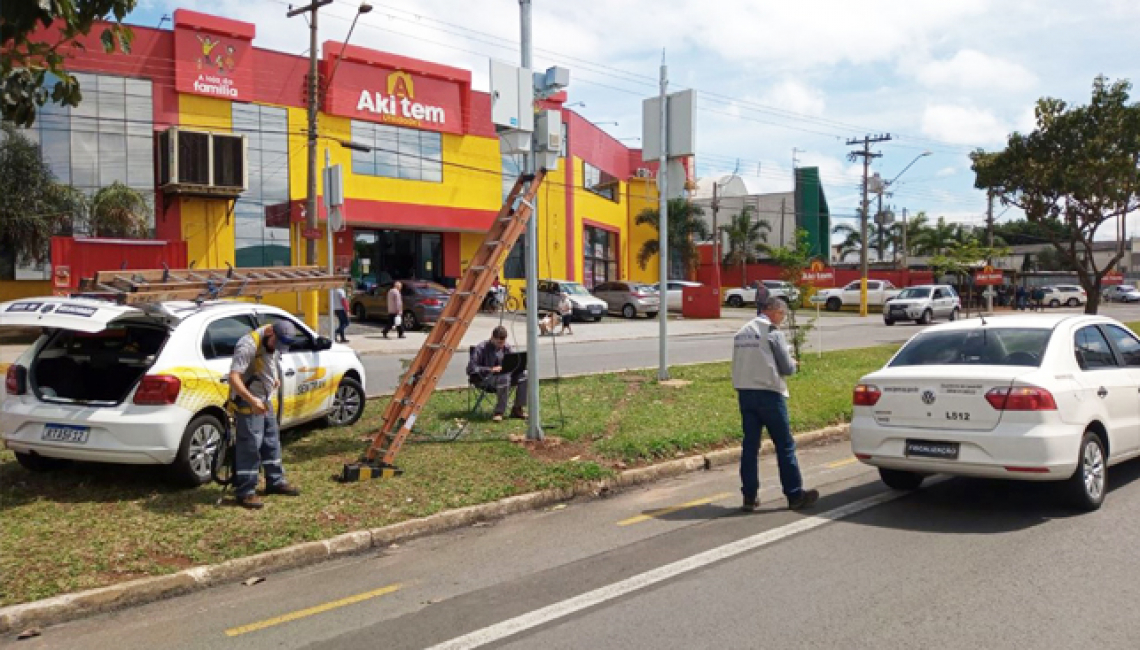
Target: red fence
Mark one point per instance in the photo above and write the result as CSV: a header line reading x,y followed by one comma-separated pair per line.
x,y
73,259
733,276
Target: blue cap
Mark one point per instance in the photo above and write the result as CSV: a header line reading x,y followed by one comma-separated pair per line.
x,y
286,334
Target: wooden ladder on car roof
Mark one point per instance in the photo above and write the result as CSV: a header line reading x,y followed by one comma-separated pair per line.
x,y
421,377
158,285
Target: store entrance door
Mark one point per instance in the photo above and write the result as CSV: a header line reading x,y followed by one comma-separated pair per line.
x,y
383,256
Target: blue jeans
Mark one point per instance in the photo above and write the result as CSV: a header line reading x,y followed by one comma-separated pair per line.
x,y
258,445
342,324
760,409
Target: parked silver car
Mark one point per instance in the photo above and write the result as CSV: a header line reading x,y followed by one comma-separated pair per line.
x,y
629,298
922,304
585,306
1121,293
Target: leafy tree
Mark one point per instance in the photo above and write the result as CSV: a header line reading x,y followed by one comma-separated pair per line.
x,y
793,261
33,206
119,211
961,258
1080,166
1023,232
686,227
935,239
745,238
35,36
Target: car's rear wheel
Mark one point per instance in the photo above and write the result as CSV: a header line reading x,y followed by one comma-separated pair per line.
x,y
897,479
1087,485
360,312
411,323
196,453
348,403
629,311
38,463
834,304
735,301
1054,303
888,322
927,318
1073,302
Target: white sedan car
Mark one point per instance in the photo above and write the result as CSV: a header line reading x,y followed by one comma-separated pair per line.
x,y
120,384
1041,398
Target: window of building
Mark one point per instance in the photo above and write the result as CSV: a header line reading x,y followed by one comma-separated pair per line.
x,y
261,214
600,252
599,182
397,152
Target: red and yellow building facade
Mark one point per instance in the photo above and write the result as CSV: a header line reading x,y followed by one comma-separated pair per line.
x,y
419,195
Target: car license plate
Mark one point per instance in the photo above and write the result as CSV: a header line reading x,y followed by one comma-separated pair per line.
x,y
66,433
595,309
932,449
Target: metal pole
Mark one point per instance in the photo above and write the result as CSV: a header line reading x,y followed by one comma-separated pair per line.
x,y
311,195
863,230
329,239
904,242
663,229
990,253
534,423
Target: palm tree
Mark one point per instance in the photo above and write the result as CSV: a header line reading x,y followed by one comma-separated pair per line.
x,y
686,227
883,238
936,239
745,236
119,211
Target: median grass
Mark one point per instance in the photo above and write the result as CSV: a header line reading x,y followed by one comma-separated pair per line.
x,y
92,525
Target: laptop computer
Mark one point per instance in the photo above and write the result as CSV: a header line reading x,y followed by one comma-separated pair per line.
x,y
514,361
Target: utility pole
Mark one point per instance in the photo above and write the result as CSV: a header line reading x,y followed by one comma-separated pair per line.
x,y
715,232
313,104
990,252
904,242
663,229
867,156
880,220
534,423
783,219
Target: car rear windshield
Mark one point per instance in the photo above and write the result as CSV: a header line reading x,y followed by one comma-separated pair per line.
x,y
984,346
914,293
431,288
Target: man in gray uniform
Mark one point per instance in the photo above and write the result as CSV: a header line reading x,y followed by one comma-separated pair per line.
x,y
255,376
760,361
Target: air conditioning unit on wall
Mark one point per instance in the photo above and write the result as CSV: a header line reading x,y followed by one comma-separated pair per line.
x,y
202,163
644,172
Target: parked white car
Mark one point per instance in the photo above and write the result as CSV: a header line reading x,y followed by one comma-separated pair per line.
x,y
1121,293
747,295
922,304
1040,398
583,304
1069,295
120,384
675,293
878,293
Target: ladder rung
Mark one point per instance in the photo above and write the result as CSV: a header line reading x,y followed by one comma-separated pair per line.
x,y
479,268
493,243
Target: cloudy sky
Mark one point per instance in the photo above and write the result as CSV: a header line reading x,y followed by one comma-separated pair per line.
x,y
944,76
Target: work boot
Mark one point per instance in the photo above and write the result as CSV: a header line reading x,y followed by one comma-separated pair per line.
x,y
750,505
805,499
284,487
251,502
518,413
498,417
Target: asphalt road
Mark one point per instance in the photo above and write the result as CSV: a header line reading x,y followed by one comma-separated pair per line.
x,y
959,564
573,358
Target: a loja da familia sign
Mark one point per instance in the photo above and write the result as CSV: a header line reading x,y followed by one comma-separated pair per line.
x,y
389,89
213,56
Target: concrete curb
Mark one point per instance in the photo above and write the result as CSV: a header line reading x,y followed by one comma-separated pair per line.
x,y
67,607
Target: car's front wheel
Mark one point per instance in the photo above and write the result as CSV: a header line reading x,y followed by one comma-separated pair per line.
x,y
834,304
1073,302
735,301
629,311
195,456
1054,303
954,314
1088,483
38,463
888,322
897,479
927,318
348,403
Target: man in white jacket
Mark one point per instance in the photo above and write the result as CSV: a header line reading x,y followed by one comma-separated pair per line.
x,y
760,361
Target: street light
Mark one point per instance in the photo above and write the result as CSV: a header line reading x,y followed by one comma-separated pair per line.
x,y
362,9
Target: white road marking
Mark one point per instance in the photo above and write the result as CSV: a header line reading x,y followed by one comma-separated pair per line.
x,y
598,596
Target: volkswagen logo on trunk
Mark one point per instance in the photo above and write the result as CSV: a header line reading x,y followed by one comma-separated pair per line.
x,y
928,397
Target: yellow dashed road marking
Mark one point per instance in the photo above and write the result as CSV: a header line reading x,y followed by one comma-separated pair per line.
x,y
653,514
319,609
842,463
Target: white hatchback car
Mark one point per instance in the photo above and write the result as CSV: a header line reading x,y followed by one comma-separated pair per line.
x,y
1042,398
121,384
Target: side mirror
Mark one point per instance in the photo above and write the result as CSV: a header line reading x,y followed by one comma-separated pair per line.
x,y
324,343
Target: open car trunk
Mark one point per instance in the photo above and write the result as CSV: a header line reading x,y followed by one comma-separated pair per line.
x,y
95,368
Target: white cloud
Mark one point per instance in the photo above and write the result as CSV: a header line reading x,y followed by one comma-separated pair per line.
x,y
791,95
974,70
946,171
963,125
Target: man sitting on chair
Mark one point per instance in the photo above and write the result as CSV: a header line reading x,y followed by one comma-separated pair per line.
x,y
485,369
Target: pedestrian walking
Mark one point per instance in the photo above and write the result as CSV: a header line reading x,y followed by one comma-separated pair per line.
x,y
760,362
340,297
395,310
255,376
1021,297
1038,299
485,369
762,294
566,312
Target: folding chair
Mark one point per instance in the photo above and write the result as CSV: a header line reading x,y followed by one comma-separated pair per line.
x,y
477,391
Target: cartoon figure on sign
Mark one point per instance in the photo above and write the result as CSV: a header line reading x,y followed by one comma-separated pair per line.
x,y
229,61
208,46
